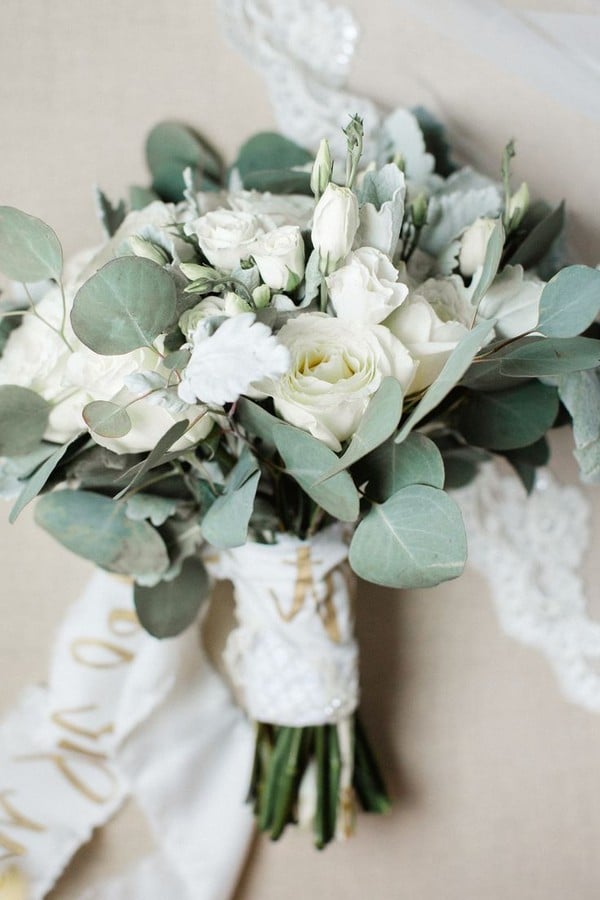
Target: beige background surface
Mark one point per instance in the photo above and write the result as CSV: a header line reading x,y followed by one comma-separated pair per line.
x,y
494,776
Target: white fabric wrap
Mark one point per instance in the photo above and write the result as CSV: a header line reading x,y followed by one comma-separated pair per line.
x,y
293,656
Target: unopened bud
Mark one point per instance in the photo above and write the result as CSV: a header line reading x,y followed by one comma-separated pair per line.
x,y
418,210
517,206
147,250
322,169
261,296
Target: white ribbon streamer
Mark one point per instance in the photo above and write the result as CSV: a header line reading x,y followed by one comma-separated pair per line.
x,y
69,755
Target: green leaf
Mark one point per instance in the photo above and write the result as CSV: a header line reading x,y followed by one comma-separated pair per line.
x,y
7,326
415,539
153,507
455,367
306,460
38,480
140,197
170,607
378,423
171,148
97,528
540,239
552,356
107,419
503,420
110,216
278,181
256,421
580,393
268,151
155,457
127,304
226,522
570,302
29,249
23,419
393,466
493,255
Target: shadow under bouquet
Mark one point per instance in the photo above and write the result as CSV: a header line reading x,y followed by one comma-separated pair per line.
x,y
275,374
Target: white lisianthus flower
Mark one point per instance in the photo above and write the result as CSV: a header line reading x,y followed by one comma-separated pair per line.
x,y
514,300
365,290
226,237
335,223
229,304
335,369
274,210
429,339
473,245
225,364
279,255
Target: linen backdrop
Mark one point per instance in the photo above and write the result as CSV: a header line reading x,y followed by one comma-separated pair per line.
x,y
494,775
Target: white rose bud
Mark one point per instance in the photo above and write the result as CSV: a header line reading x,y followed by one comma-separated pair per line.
x,y
147,250
335,224
226,237
322,169
517,206
474,244
279,255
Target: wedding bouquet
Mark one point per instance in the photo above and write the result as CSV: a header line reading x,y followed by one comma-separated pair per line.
x,y
275,374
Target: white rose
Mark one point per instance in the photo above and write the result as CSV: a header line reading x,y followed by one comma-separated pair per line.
x,y
274,210
335,223
365,290
429,339
473,245
279,255
514,300
226,237
335,369
225,364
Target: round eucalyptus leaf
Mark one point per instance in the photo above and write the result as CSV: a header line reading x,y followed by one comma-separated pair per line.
x,y
170,149
504,420
570,302
23,419
415,539
127,304
170,607
107,419
97,528
268,151
29,249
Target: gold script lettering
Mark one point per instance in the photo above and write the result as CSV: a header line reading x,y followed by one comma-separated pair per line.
x,y
115,655
17,819
123,622
67,768
59,718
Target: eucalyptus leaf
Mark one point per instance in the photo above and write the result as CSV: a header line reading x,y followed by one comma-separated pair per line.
x,y
393,466
415,539
140,197
110,216
107,419
226,522
552,356
570,302
256,421
270,151
278,181
127,304
170,607
491,262
156,455
540,239
97,528
379,421
580,393
150,506
454,368
307,460
503,420
23,419
29,249
171,148
38,480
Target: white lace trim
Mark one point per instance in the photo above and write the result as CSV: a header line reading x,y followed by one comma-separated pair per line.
x,y
531,550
